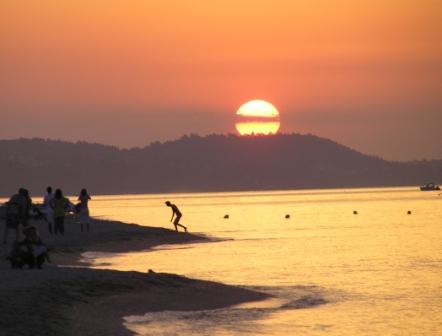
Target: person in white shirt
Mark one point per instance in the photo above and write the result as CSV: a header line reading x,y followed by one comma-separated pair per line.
x,y
48,208
84,199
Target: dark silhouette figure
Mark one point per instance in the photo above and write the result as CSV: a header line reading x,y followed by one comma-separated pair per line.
x,y
48,208
30,251
60,206
15,208
27,208
83,209
177,213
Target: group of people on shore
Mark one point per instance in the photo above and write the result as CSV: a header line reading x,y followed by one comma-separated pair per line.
x,y
30,250
53,210
19,209
55,207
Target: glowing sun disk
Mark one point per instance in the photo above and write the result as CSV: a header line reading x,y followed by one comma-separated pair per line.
x,y
257,117
258,108
257,128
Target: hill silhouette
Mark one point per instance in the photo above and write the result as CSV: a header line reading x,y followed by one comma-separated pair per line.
x,y
194,163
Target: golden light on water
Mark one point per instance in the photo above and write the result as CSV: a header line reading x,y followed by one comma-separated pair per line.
x,y
374,257
257,117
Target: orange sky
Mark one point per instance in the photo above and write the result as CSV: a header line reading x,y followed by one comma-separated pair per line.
x,y
367,74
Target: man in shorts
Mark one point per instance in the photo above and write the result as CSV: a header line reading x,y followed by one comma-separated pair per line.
x,y
177,213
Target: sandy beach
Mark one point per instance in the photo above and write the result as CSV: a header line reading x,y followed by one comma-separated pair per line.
x,y
68,298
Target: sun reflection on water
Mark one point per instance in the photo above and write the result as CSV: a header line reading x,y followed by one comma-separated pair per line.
x,y
375,273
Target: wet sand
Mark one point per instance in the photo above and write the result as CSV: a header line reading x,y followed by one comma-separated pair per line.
x,y
60,300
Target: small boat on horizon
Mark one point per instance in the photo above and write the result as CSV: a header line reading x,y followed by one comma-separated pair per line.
x,y
430,186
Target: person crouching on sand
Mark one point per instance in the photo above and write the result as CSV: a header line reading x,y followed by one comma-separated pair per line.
x,y
177,213
30,251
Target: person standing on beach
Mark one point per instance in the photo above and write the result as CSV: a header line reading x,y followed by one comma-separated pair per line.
x,y
177,213
48,210
14,212
27,207
84,199
60,205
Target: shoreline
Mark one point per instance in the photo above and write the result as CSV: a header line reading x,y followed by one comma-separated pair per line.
x,y
62,300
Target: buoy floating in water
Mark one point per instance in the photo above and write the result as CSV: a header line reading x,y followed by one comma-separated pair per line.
x,y
287,216
226,216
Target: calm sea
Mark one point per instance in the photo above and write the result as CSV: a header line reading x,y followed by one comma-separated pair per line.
x,y
333,272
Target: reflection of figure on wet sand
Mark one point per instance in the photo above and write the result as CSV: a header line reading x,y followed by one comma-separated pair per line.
x,y
177,213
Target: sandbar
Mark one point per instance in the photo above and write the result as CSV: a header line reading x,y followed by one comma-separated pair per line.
x,y
78,300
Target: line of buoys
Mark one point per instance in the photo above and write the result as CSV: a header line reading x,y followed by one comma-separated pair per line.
x,y
408,212
355,212
287,216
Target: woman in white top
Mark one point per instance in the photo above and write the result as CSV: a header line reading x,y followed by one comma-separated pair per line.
x,y
84,199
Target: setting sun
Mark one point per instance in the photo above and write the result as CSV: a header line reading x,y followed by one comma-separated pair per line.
x,y
257,117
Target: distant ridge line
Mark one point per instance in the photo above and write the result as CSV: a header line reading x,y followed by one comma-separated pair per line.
x,y
202,163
